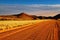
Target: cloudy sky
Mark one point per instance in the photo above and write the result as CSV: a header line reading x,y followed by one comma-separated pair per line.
x,y
35,7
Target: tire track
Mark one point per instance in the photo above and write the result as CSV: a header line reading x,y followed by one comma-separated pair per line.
x,y
40,31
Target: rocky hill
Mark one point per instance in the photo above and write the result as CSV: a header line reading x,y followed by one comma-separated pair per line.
x,y
21,16
24,16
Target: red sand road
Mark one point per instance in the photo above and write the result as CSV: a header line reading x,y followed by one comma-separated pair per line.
x,y
48,30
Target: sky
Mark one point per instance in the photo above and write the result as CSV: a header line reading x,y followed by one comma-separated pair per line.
x,y
34,7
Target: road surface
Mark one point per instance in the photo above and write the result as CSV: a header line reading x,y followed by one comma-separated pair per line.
x,y
47,30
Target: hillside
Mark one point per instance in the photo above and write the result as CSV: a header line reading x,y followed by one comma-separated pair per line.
x,y
24,16
21,16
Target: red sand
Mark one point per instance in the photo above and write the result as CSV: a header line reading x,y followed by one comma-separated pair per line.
x,y
48,30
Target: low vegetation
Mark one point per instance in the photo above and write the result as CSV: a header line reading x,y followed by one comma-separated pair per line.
x,y
6,25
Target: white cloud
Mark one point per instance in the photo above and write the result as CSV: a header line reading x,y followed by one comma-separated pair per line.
x,y
40,5
31,8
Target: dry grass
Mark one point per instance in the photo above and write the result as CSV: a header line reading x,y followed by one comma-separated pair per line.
x,y
46,30
7,25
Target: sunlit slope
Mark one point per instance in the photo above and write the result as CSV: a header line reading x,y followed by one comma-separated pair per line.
x,y
8,25
45,30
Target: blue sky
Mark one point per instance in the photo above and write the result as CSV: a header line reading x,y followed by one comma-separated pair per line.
x,y
35,7
29,1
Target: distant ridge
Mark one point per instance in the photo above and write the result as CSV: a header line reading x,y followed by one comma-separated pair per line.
x,y
24,16
57,16
21,16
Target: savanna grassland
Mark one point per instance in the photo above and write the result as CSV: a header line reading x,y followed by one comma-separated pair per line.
x,y
9,25
30,30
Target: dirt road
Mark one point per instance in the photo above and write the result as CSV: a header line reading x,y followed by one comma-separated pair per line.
x,y
47,30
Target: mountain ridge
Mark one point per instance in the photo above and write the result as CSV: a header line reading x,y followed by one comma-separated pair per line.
x,y
24,16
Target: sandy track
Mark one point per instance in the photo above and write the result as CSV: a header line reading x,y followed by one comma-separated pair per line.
x,y
48,30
